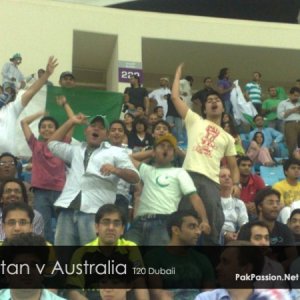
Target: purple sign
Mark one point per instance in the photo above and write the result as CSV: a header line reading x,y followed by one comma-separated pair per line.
x,y
126,73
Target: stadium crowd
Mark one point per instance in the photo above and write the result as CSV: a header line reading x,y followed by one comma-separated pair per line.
x,y
177,169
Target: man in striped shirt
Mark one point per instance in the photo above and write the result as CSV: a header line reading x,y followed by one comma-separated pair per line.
x,y
253,91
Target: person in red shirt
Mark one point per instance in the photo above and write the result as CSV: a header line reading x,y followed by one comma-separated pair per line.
x,y
250,184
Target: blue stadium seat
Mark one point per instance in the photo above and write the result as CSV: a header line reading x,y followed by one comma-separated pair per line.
x,y
271,175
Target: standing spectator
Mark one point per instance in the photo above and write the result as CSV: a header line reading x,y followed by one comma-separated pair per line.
x,y
14,191
253,91
135,96
289,188
160,95
175,121
289,111
199,97
67,80
250,184
164,186
272,137
294,225
185,89
224,88
12,74
116,135
234,209
258,153
208,143
10,112
48,171
269,109
96,168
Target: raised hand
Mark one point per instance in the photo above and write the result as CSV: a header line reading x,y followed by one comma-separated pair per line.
x,y
79,119
52,64
61,100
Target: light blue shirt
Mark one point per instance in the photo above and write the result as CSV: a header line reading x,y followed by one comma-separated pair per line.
x,y
270,135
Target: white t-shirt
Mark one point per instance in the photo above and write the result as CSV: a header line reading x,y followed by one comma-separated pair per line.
x,y
208,143
163,189
159,96
8,119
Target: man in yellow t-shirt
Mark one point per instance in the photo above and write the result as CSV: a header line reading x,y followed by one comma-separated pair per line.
x,y
107,248
289,188
208,143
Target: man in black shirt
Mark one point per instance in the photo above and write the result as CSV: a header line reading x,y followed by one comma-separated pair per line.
x,y
294,225
267,202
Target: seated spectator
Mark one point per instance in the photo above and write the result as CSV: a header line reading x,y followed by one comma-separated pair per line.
x,y
267,202
289,188
250,184
8,95
128,120
258,153
152,119
164,186
184,230
294,225
234,209
272,137
258,234
31,287
110,224
139,138
17,217
159,111
14,191
242,260
230,128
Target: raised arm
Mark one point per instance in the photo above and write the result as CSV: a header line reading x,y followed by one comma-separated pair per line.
x,y
36,86
180,105
62,101
61,132
27,121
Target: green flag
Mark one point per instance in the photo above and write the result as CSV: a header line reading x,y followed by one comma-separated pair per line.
x,y
83,100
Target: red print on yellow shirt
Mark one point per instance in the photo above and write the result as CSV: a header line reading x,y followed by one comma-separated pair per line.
x,y
208,141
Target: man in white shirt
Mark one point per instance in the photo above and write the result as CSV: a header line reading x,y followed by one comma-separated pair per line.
x,y
160,95
96,167
12,74
10,112
289,111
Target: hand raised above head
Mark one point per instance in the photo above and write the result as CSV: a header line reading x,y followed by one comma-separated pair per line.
x,y
52,64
